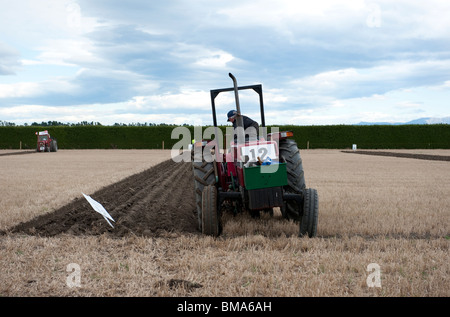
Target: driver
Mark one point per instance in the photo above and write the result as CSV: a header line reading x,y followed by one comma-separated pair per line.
x,y
251,127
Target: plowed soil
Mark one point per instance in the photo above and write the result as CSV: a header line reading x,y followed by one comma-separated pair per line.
x,y
16,152
155,202
405,155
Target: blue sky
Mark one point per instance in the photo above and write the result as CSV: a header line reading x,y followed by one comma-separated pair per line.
x,y
320,62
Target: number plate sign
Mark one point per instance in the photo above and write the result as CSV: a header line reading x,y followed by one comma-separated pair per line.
x,y
262,151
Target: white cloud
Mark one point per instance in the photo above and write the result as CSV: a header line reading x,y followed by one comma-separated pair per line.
x,y
67,52
9,62
285,12
185,100
394,106
324,61
406,18
33,89
216,60
374,80
54,18
409,104
201,56
106,114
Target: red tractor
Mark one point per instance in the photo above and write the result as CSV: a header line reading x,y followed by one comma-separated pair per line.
x,y
251,175
45,143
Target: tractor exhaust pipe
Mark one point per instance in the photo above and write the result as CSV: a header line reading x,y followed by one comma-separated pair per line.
x,y
236,93
239,120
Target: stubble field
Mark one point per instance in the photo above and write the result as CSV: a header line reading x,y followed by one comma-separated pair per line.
x,y
390,212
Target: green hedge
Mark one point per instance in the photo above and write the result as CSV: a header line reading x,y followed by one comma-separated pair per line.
x,y
436,136
153,137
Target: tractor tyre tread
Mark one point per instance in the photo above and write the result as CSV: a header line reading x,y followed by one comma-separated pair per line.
x,y
308,224
211,223
203,176
295,176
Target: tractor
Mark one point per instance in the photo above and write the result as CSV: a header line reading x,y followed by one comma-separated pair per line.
x,y
45,143
251,175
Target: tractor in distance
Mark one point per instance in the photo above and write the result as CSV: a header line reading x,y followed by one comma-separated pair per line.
x,y
45,143
251,175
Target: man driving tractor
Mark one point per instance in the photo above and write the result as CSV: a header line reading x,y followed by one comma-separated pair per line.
x,y
251,127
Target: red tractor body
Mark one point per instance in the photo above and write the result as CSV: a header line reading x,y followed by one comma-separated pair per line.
x,y
45,143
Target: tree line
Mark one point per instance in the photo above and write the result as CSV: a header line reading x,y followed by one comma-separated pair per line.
x,y
84,123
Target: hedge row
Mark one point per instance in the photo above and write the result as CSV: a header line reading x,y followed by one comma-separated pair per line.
x,y
156,137
88,137
436,136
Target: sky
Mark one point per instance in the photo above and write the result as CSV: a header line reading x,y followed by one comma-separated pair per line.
x,y
319,62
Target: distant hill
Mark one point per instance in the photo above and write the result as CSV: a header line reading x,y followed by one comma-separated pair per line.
x,y
429,120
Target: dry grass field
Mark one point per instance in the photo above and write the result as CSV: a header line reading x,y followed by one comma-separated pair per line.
x,y
394,212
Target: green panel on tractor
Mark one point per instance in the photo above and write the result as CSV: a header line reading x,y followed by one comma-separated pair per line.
x,y
264,176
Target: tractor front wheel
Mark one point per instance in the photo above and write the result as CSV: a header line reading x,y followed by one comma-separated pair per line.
x,y
308,223
211,223
295,176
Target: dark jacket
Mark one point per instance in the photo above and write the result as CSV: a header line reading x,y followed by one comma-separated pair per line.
x,y
249,134
247,123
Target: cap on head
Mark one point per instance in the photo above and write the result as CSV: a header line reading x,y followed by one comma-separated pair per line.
x,y
231,114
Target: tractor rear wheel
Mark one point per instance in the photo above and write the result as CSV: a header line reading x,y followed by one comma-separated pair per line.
x,y
308,224
295,175
203,176
53,146
211,224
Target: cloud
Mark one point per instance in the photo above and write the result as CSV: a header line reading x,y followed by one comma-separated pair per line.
x,y
105,113
9,60
66,52
188,100
144,59
32,89
380,79
107,86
